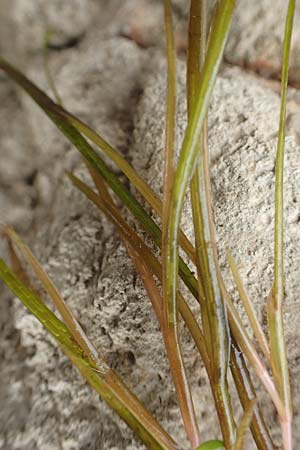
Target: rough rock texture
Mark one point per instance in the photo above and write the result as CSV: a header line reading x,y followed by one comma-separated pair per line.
x,y
255,41
33,18
256,38
17,194
99,57
243,123
34,157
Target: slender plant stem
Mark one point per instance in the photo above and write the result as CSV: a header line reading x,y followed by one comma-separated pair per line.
x,y
236,325
275,306
213,310
276,297
241,336
172,346
241,375
250,311
244,424
137,247
188,155
195,60
170,328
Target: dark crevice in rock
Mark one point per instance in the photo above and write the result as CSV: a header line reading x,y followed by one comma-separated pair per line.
x,y
70,42
31,177
266,71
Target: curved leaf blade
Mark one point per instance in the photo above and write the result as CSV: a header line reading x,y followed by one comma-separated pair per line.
x,y
103,379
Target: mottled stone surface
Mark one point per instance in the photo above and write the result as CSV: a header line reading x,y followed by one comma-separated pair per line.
x,y
109,69
257,35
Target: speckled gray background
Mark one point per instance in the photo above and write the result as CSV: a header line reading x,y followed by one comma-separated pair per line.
x,y
108,63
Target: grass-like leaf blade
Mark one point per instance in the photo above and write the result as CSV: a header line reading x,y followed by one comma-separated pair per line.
x,y
68,318
54,113
276,297
188,155
213,312
141,248
172,333
257,329
101,378
64,117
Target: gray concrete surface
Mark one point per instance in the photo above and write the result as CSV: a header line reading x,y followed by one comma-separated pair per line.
x,y
109,68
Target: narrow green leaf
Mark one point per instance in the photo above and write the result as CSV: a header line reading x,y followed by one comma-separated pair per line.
x,y
169,147
276,297
169,133
241,336
172,334
236,325
188,155
65,121
64,310
171,108
54,112
101,377
37,308
131,236
213,312
172,345
257,329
